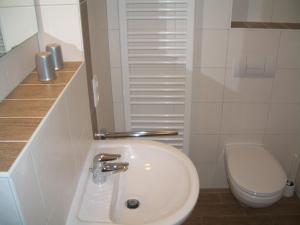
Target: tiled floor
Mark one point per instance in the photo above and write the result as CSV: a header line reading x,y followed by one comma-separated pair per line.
x,y
218,207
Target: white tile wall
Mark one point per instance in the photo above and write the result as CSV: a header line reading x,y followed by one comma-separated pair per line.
x,y
210,48
246,89
284,118
244,118
226,108
45,183
208,84
289,50
56,2
240,138
78,92
13,3
206,118
286,86
213,14
283,146
28,191
244,42
207,147
266,10
50,163
8,211
114,48
119,116
59,22
116,79
286,10
252,10
112,14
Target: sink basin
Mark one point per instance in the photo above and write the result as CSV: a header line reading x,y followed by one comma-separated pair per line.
x,y
160,177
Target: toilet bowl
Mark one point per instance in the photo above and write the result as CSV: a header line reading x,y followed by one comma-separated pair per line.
x,y
255,177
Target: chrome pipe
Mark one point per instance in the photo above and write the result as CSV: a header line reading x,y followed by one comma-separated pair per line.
x,y
108,135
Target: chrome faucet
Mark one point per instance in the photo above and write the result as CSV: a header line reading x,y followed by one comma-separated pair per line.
x,y
102,168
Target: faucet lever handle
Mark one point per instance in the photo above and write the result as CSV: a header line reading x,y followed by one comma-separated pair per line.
x,y
104,157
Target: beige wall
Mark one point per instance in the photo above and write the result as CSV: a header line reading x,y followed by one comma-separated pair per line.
x,y
100,61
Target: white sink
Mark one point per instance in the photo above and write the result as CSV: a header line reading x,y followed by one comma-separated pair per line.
x,y
160,177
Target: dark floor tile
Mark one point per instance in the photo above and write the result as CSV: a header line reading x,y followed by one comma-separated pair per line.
x,y
291,200
219,207
209,198
285,209
193,220
259,220
214,190
237,220
228,198
286,220
257,212
221,210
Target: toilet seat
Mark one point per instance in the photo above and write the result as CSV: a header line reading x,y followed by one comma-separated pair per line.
x,y
254,170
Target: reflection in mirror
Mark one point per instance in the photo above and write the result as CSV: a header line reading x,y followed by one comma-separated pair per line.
x,y
17,23
279,11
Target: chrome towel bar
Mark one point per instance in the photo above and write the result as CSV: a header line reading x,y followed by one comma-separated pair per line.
x,y
109,135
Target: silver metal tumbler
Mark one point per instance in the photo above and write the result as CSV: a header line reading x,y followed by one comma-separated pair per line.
x,y
44,66
57,57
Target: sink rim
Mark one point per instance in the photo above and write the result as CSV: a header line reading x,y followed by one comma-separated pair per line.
x,y
181,213
175,217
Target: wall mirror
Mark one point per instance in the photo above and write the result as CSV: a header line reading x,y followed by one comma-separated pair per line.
x,y
17,23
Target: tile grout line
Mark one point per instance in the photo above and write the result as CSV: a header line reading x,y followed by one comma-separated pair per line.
x,y
32,84
220,148
30,99
272,91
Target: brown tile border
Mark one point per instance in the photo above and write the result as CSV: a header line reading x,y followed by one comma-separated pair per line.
x,y
17,129
24,108
69,66
8,152
30,92
61,78
265,25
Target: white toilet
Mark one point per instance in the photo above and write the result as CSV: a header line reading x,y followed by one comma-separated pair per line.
x,y
255,177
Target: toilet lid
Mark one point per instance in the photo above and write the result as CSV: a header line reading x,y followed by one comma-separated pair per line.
x,y
255,170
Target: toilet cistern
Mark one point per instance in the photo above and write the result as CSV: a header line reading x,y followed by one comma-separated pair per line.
x,y
102,167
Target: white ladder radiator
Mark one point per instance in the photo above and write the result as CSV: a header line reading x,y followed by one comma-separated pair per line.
x,y
157,59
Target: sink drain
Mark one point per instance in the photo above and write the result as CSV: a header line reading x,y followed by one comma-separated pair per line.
x,y
132,203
